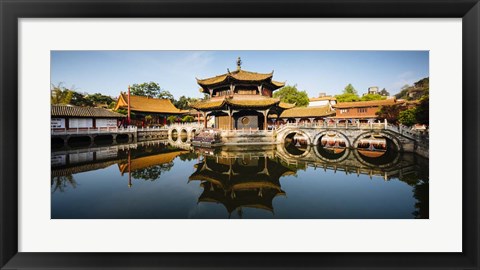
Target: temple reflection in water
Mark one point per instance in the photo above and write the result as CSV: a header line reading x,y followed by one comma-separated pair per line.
x,y
240,182
239,178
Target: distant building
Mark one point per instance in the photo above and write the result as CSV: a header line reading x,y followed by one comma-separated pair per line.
x,y
373,90
363,110
322,100
69,116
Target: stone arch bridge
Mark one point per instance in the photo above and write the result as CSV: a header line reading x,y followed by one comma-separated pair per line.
x,y
404,139
183,132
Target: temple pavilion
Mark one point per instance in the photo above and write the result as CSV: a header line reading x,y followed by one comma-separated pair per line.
x,y
240,99
157,109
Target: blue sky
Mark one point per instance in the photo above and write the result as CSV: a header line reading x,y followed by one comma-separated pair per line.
x,y
109,72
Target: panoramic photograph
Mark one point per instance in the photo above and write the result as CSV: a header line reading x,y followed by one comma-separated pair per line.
x,y
239,134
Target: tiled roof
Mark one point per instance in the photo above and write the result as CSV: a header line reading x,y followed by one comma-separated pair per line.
x,y
372,103
255,101
285,105
323,98
355,116
240,75
278,84
253,184
76,111
147,104
307,112
261,102
208,104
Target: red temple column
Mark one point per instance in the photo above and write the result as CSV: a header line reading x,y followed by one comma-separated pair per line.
x,y
128,117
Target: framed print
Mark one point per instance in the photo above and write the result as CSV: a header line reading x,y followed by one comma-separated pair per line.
x,y
220,134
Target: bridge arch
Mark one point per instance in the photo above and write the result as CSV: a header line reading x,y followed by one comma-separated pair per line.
x,y
385,163
319,135
384,134
334,157
192,133
283,136
183,136
373,158
173,134
296,155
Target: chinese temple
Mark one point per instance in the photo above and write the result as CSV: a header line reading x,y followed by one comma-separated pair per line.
x,y
240,182
147,110
240,99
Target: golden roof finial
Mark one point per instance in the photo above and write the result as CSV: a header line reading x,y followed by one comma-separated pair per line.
x,y
239,63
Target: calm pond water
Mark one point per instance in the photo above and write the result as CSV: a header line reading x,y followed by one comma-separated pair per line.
x,y
158,180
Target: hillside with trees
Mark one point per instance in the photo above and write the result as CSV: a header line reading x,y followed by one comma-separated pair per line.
x,y
416,110
63,95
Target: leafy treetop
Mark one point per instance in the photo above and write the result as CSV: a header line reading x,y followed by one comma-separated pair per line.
x,y
150,89
349,89
184,102
290,94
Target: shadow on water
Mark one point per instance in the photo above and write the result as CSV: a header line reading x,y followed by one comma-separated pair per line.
x,y
241,178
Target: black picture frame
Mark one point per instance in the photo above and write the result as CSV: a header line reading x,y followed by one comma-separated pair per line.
x,y
11,11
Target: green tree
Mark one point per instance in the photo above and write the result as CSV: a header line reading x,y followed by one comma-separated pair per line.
x,y
150,89
60,94
372,97
165,94
171,119
349,89
349,94
188,156
61,183
347,97
403,94
423,83
99,99
290,94
384,92
80,100
122,111
148,118
188,118
152,173
407,117
389,112
422,112
184,102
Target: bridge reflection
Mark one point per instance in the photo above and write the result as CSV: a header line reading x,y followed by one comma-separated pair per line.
x,y
244,177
